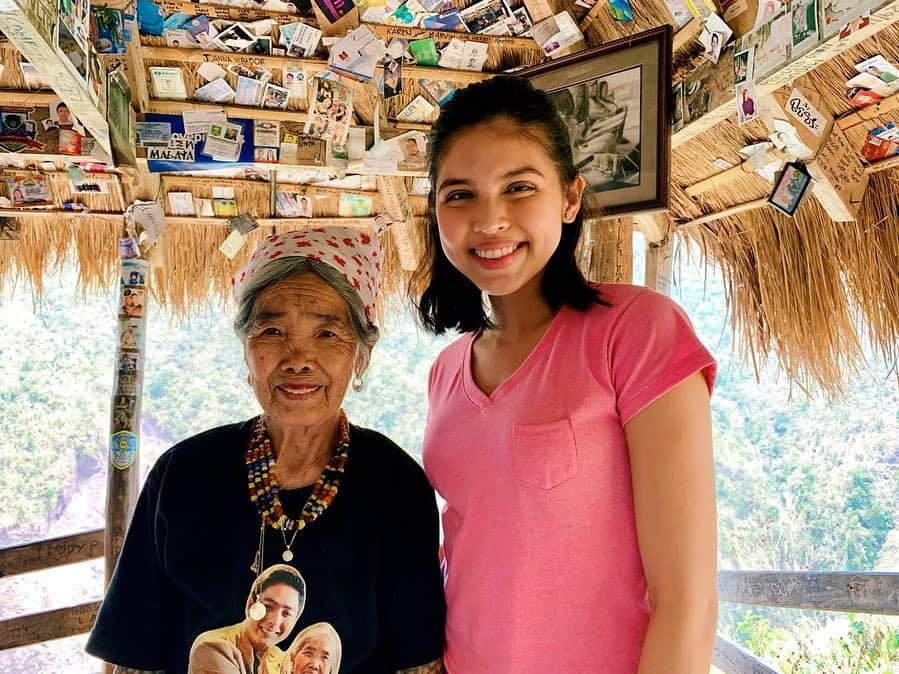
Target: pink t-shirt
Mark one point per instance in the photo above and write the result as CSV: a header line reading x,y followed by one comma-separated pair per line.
x,y
543,567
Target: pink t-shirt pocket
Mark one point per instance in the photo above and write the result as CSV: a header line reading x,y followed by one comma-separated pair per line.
x,y
544,455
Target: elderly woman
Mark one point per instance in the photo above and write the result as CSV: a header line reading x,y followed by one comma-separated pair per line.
x,y
316,650
343,505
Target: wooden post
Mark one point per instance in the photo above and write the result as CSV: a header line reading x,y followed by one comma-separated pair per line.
x,y
659,257
124,473
611,257
396,203
656,228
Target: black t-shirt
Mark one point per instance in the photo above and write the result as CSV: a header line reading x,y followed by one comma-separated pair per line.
x,y
369,561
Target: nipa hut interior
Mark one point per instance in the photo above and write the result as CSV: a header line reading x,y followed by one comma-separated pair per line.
x,y
810,287
179,133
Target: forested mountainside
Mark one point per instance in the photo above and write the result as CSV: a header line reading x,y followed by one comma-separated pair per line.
x,y
803,483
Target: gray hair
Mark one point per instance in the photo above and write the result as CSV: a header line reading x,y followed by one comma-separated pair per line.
x,y
366,333
317,630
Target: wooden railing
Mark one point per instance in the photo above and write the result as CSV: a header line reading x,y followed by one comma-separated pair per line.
x,y
56,623
818,590
826,591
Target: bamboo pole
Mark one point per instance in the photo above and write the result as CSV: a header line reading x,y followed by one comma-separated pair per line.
x,y
123,476
733,210
122,482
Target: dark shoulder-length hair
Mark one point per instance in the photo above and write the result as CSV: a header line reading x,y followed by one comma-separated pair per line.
x,y
444,297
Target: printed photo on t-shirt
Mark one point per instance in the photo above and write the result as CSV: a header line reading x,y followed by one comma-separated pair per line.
x,y
273,608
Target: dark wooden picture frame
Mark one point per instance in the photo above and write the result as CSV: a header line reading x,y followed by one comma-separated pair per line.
x,y
616,101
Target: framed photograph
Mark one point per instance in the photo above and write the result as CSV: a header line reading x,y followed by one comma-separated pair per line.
x,y
615,100
791,188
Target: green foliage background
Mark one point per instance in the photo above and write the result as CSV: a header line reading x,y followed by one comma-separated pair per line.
x,y
802,483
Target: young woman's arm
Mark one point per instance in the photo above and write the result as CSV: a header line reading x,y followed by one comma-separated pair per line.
x,y
670,447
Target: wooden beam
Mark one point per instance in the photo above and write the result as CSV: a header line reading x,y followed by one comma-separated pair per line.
x,y
727,212
299,223
51,553
881,18
40,627
142,184
731,659
887,105
311,66
29,26
653,226
820,590
25,214
882,165
387,33
396,203
727,176
221,11
27,99
28,157
165,107
686,35
123,469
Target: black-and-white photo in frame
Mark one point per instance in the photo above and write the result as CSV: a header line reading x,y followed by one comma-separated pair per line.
x,y
615,101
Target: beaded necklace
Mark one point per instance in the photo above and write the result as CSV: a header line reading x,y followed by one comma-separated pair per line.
x,y
264,489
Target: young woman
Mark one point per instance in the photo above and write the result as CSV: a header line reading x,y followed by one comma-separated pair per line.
x,y
569,429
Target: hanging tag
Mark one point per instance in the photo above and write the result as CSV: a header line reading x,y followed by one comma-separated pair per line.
x,y
232,245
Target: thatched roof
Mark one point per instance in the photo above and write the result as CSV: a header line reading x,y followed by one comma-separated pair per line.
x,y
809,290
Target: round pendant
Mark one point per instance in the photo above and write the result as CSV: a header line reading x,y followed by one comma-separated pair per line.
x,y
287,555
257,610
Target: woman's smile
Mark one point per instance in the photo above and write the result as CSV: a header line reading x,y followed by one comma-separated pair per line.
x,y
298,391
497,256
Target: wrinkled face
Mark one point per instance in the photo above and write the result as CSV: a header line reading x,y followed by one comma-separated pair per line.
x,y
500,206
300,352
315,656
282,610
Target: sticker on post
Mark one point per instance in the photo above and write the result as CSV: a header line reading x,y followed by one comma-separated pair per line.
x,y
123,449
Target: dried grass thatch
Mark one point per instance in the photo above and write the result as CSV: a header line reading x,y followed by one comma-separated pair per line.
x,y
806,290
809,291
48,241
